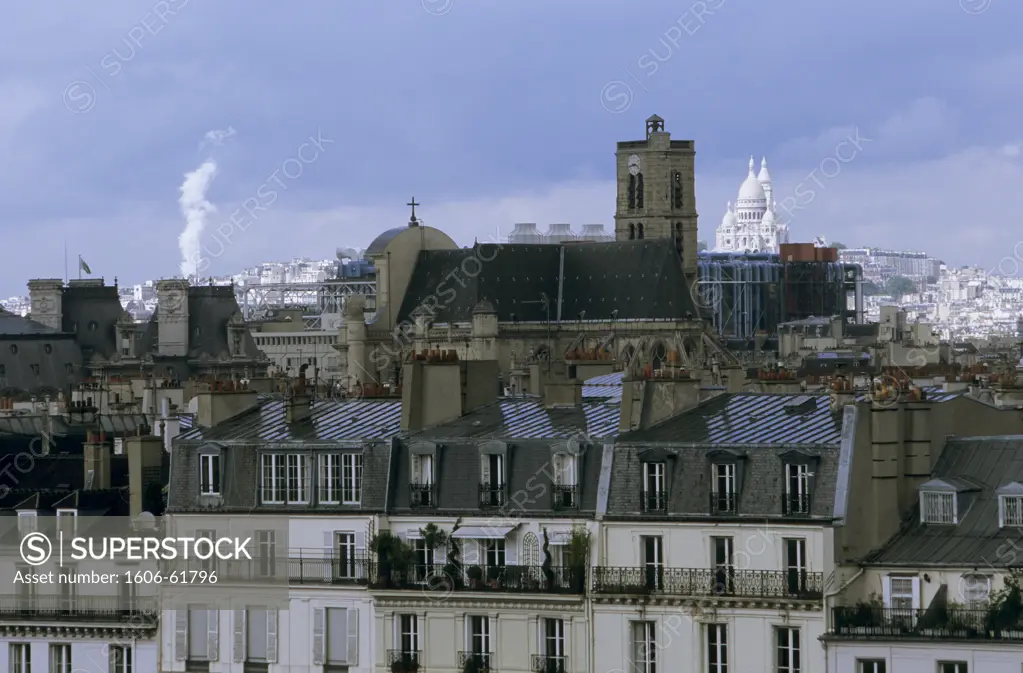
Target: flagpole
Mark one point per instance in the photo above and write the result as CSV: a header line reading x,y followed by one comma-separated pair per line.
x,y
65,261
79,267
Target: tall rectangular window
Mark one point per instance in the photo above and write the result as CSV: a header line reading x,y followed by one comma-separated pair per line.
x,y
421,485
717,648
266,546
60,658
351,478
644,647
121,659
652,550
788,658
902,593
724,495
209,474
795,566
724,565
67,523
20,657
654,487
408,634
554,639
330,479
344,555
797,489
492,480
479,637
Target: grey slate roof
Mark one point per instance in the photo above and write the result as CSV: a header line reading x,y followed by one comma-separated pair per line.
x,y
976,541
607,387
529,475
91,314
380,242
31,425
750,418
638,279
331,421
526,418
11,324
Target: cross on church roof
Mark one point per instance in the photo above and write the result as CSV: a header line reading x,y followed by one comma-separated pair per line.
x,y
412,220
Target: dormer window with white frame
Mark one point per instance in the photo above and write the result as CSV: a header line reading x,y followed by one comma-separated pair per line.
x,y
422,474
655,486
944,501
1010,505
67,522
565,480
209,474
938,507
28,522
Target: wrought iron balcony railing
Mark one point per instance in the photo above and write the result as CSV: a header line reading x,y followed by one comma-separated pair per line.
x,y
796,504
869,622
491,495
724,502
654,501
509,578
723,581
549,663
476,662
421,495
564,497
86,608
403,661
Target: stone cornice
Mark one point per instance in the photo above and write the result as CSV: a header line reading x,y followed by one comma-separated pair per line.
x,y
111,632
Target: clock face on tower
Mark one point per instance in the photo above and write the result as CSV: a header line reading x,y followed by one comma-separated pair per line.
x,y
634,164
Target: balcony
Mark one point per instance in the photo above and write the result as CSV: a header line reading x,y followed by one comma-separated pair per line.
x,y
421,495
476,662
564,497
724,502
654,501
549,663
514,579
83,608
796,504
491,495
724,582
403,661
868,622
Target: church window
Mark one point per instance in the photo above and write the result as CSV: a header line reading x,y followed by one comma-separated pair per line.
x,y
639,192
639,230
632,232
632,192
677,190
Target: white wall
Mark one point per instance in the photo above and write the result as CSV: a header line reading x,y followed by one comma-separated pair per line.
x,y
87,656
924,657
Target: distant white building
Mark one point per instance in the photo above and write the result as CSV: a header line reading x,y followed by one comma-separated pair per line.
x,y
752,225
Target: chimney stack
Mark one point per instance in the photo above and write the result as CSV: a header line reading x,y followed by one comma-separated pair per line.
x,y
145,465
216,405
298,405
97,462
427,387
648,401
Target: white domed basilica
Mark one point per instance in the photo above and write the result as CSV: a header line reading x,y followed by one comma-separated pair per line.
x,y
753,224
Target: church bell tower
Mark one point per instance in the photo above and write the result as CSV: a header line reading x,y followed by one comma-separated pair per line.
x,y
656,191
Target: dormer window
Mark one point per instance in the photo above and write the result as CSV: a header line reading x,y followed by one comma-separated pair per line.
x,y
492,480
655,490
421,486
209,474
938,507
28,522
725,497
1010,505
67,522
797,489
565,484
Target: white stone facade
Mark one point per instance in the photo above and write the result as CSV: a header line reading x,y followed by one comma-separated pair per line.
x,y
753,223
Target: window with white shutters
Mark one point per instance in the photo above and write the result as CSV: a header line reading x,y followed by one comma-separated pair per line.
x,y
938,507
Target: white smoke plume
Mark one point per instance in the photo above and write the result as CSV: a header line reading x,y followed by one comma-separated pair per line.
x,y
217,137
196,210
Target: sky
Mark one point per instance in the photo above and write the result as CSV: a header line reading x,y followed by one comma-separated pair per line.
x,y
889,124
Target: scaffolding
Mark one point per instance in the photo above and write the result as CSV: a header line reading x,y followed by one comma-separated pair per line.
x,y
751,294
328,297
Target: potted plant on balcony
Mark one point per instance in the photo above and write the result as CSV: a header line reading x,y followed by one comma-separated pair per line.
x,y
864,615
475,663
577,556
475,575
1006,609
453,563
394,556
548,563
494,576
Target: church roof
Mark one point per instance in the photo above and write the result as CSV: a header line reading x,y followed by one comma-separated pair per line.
x,y
381,241
526,283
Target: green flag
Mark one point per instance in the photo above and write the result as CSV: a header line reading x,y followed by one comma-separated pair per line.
x,y
84,266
